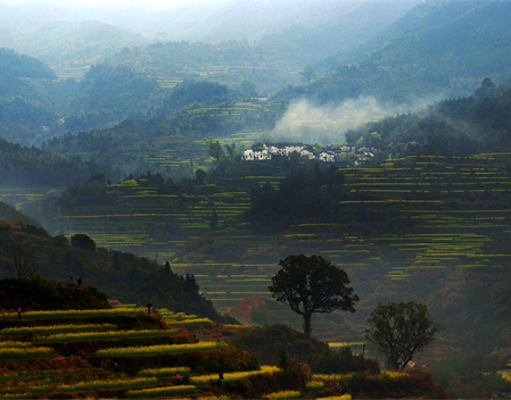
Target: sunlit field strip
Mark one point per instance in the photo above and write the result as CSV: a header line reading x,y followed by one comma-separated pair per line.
x,y
161,391
74,313
232,376
192,321
344,344
108,384
284,394
46,330
314,386
16,353
15,345
70,337
159,349
332,377
164,372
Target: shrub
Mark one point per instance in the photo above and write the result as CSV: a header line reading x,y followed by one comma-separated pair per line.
x,y
342,361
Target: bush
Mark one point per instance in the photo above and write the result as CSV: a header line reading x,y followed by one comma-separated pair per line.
x,y
339,362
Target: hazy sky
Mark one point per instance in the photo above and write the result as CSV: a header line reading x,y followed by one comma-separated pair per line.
x,y
153,3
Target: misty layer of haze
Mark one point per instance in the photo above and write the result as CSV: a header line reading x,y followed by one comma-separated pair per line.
x,y
307,122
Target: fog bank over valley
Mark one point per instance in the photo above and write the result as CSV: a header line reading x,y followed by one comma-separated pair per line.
x,y
310,123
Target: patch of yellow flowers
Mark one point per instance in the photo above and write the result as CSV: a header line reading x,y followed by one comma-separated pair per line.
x,y
53,329
74,313
107,384
163,372
159,349
68,337
285,394
314,385
20,350
232,376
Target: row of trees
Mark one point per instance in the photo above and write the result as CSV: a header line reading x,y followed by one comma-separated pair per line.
x,y
311,284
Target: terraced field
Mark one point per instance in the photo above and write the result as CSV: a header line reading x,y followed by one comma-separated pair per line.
x,y
169,363
107,360
456,213
458,208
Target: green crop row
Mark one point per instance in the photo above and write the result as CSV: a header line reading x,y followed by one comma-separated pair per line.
x,y
164,372
107,384
73,313
16,353
54,329
83,336
159,349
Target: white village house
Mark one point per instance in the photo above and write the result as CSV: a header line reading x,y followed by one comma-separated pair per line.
x,y
274,151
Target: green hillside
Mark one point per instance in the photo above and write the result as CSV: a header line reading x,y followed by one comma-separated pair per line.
x,y
108,95
126,352
436,49
27,250
29,166
393,227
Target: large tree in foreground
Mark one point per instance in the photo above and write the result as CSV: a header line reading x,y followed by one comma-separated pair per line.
x,y
311,284
401,330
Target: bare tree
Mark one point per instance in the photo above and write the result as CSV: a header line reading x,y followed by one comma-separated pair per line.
x,y
22,266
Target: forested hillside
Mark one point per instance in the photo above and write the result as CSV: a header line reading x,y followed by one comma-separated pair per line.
x,y
173,139
23,166
29,98
123,276
108,95
437,48
479,123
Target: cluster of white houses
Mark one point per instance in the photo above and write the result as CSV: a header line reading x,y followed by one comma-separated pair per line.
x,y
333,155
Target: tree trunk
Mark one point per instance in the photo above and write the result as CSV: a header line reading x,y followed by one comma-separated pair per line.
x,y
307,324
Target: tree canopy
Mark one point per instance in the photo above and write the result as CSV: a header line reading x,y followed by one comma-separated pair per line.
x,y
401,330
311,284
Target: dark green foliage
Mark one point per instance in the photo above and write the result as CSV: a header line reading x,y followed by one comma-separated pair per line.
x,y
401,330
341,362
438,47
473,375
41,294
456,127
109,94
83,241
30,167
92,192
417,384
312,285
283,363
21,66
198,93
10,213
268,344
305,194
255,386
123,276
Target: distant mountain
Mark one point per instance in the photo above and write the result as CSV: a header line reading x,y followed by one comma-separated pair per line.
x,y
281,34
16,65
329,27
30,98
440,48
